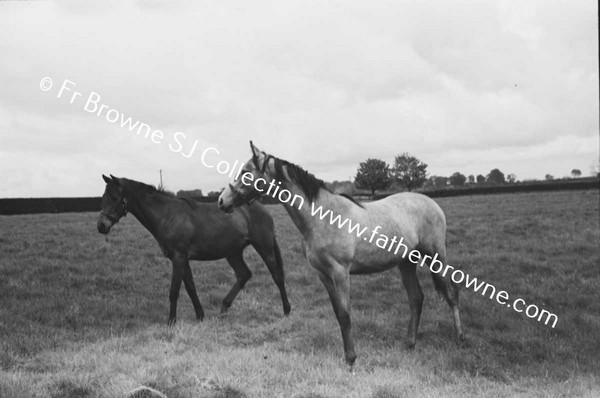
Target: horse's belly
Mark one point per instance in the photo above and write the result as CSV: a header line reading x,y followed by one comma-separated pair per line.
x,y
370,258
358,268
216,249
201,254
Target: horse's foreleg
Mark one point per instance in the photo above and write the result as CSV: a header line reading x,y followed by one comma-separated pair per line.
x,y
408,272
179,264
242,274
190,287
337,283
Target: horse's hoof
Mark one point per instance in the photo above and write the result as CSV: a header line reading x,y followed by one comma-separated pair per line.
x,y
350,360
225,307
171,322
410,345
286,310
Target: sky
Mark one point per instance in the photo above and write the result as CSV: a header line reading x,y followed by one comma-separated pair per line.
x,y
464,86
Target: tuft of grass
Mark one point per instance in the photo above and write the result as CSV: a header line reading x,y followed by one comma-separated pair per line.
x,y
70,389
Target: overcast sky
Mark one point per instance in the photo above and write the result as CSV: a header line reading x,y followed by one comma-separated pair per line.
x,y
463,85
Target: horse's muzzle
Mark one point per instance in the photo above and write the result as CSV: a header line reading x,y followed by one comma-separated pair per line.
x,y
223,207
103,228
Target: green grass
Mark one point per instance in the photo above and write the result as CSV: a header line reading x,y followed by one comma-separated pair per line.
x,y
83,315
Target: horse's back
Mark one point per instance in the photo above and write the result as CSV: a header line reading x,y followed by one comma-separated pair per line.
x,y
415,214
413,204
412,219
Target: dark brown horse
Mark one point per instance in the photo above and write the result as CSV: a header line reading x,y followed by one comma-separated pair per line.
x,y
189,230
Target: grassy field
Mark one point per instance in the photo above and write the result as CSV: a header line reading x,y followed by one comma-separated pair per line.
x,y
84,315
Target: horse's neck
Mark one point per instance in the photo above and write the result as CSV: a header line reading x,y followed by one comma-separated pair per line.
x,y
303,217
300,216
148,209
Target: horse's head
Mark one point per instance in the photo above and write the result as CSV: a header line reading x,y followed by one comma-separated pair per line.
x,y
248,187
114,204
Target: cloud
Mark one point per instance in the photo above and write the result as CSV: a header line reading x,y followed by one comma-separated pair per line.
x,y
464,85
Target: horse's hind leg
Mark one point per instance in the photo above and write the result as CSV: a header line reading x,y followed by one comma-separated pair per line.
x,y
446,286
242,274
190,287
408,271
272,258
179,263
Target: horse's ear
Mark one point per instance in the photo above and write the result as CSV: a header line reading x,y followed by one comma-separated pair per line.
x,y
255,151
106,179
115,180
258,156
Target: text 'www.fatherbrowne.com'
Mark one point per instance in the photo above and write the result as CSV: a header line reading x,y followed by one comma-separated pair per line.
x,y
396,245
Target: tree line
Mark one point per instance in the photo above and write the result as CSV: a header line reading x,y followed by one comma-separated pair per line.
x,y
409,173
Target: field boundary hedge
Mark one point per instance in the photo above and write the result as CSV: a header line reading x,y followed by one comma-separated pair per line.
x,y
80,205
48,205
508,188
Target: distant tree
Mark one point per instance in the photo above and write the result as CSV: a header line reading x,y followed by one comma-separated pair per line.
x,y
338,187
428,182
457,179
511,178
409,171
440,182
214,193
595,169
472,179
496,176
549,177
436,182
395,186
576,173
190,194
332,185
373,174
480,179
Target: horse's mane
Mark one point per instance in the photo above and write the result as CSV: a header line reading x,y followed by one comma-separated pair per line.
x,y
147,188
307,181
351,199
151,189
162,190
